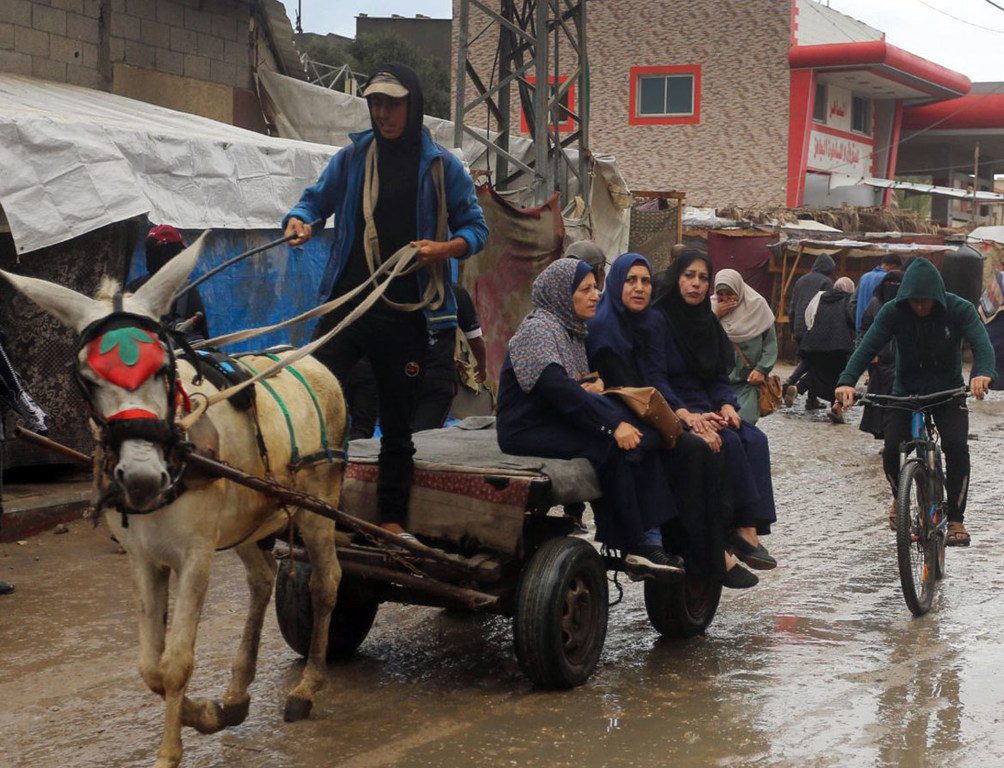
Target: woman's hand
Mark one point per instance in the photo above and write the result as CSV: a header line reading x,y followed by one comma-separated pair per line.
x,y
300,229
728,413
713,439
756,378
715,420
628,436
726,305
694,421
596,386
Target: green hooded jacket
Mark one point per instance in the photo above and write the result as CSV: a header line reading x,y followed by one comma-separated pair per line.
x,y
929,349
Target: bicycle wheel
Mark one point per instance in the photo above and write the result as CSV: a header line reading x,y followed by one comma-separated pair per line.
x,y
916,546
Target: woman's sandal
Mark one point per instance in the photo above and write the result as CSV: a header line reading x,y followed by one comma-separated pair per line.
x,y
754,555
957,536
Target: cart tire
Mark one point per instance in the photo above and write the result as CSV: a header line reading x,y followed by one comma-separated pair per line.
x,y
560,621
350,620
684,608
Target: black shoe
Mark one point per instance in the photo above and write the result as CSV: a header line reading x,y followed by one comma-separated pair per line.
x,y
738,577
5,588
754,556
651,561
812,404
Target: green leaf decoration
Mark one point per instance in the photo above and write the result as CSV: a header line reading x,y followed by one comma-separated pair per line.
x,y
127,340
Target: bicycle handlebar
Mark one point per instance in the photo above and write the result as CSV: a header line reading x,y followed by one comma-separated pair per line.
x,y
911,402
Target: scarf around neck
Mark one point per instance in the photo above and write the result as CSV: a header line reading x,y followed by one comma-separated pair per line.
x,y
551,333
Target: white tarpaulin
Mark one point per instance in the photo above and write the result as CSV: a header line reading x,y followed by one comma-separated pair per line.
x,y
75,159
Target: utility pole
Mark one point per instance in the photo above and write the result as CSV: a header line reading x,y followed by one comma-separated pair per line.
x,y
527,35
976,180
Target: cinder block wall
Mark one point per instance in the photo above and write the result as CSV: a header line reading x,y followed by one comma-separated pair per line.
x,y
83,41
737,154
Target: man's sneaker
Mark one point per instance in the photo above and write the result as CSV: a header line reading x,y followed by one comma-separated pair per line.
x,y
790,393
812,403
651,561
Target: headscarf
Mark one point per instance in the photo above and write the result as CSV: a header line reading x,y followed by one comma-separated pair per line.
x,y
889,286
412,135
616,327
552,332
844,284
587,251
699,335
751,316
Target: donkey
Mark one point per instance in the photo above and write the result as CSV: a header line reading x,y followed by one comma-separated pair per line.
x,y
134,386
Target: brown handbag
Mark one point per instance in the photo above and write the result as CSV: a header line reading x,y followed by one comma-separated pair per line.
x,y
768,393
651,407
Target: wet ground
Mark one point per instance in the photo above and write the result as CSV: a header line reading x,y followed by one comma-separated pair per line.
x,y
821,665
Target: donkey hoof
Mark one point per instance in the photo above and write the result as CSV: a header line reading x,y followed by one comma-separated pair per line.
x,y
235,713
297,709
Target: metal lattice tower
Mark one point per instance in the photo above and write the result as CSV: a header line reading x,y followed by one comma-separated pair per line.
x,y
536,39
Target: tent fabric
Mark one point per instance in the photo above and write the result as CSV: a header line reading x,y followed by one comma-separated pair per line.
x,y
77,159
521,243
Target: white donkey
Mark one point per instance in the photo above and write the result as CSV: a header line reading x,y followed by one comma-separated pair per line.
x,y
127,371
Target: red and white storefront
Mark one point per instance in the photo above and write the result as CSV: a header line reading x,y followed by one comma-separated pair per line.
x,y
846,116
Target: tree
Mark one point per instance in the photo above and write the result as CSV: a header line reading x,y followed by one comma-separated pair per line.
x,y
373,50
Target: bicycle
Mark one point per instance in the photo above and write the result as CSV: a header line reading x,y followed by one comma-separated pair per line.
x,y
921,510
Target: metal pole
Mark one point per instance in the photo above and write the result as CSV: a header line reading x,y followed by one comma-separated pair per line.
x,y
458,104
976,181
540,132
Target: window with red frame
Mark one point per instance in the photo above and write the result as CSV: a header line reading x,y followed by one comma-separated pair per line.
x,y
665,95
567,106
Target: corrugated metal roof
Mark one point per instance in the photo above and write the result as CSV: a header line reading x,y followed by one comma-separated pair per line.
x,y
280,32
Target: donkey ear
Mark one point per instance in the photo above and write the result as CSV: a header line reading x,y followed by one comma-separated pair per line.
x,y
155,296
66,305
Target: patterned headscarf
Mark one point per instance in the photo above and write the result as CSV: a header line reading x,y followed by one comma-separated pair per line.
x,y
752,315
551,333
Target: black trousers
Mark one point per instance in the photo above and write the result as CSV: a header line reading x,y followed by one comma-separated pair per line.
x,y
952,421
394,343
434,403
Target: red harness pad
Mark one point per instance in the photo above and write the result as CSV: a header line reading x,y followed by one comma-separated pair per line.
x,y
125,356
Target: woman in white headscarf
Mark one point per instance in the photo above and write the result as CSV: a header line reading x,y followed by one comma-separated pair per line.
x,y
749,324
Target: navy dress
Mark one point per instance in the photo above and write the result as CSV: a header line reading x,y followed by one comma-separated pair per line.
x,y
558,419
750,491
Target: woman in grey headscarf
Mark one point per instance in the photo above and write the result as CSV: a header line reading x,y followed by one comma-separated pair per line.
x,y
549,407
749,324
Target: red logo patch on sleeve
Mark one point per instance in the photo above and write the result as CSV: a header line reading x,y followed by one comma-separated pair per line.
x,y
125,356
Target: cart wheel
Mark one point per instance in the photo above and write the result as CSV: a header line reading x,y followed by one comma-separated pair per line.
x,y
560,621
350,620
682,609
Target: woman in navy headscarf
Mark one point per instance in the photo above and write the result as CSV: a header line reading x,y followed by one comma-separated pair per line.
x,y
620,336
690,362
545,409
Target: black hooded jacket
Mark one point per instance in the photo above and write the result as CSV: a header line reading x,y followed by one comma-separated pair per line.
x,y
807,286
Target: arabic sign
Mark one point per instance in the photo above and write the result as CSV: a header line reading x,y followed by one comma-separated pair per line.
x,y
828,152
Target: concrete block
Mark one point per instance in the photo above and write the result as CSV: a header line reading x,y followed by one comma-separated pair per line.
x,y
92,9
89,55
155,34
82,27
139,55
171,13
236,53
31,42
223,72
126,27
16,12
47,69
6,37
116,49
224,25
171,62
88,77
64,49
144,9
184,40
15,63
118,6
48,19
197,67
202,21
71,6
210,46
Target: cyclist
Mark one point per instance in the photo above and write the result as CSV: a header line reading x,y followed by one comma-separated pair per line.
x,y
929,325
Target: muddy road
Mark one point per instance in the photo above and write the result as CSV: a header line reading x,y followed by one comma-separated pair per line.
x,y
821,665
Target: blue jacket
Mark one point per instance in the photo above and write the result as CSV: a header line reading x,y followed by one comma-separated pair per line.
x,y
339,191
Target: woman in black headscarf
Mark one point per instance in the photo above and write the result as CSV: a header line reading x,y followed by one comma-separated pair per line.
x,y
882,369
689,363
386,190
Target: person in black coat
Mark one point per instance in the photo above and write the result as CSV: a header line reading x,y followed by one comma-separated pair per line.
x,y
828,343
882,369
549,406
819,278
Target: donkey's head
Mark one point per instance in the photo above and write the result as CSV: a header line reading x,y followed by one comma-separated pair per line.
x,y
126,366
